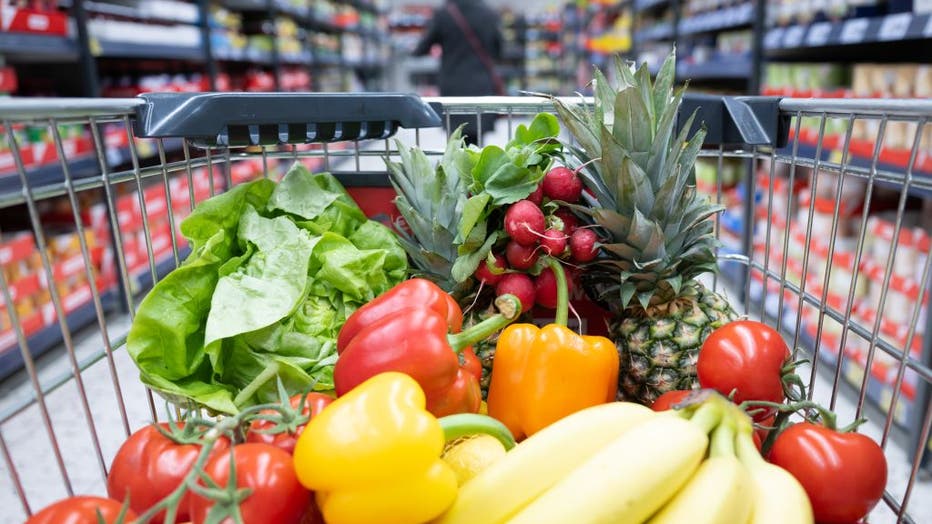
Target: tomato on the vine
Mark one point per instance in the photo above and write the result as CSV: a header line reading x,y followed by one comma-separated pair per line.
x,y
276,495
313,404
745,357
81,510
149,466
670,398
844,474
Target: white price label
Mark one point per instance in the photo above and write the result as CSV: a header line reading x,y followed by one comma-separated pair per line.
x,y
818,34
894,27
853,31
794,36
773,38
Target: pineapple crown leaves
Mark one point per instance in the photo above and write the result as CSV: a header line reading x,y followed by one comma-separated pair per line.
x,y
641,175
431,200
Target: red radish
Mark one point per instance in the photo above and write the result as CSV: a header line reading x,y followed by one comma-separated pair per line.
x,y
537,197
520,257
524,222
519,285
485,275
570,222
582,245
546,288
553,242
562,183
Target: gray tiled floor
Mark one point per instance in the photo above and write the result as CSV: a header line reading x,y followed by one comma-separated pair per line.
x,y
29,444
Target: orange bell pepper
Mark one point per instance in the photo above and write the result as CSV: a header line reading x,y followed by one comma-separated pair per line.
x,y
541,375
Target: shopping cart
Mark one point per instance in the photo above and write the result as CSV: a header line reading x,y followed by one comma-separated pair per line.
x,y
820,237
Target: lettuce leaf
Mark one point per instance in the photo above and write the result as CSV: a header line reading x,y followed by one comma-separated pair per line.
x,y
273,274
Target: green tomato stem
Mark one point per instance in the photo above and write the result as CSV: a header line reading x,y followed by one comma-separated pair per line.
x,y
465,424
267,374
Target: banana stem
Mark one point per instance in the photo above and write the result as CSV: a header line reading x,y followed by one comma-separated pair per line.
x,y
723,440
746,450
707,416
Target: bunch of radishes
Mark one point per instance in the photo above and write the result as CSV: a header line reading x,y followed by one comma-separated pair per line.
x,y
532,233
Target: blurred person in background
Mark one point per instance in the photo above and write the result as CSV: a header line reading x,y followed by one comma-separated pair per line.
x,y
470,40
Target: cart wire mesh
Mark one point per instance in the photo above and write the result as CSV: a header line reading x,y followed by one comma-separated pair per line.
x,y
823,239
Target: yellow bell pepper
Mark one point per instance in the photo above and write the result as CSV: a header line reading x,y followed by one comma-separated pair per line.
x,y
374,455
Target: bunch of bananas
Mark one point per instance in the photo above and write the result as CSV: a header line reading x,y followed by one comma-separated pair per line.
x,y
623,463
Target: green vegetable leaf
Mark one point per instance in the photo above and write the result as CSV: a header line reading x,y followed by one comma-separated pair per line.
x,y
473,212
467,264
269,285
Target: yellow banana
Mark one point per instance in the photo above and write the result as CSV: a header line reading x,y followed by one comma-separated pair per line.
x,y
631,478
778,498
539,462
719,492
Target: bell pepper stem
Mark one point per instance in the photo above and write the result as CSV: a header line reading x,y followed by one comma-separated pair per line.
x,y
563,299
465,424
509,308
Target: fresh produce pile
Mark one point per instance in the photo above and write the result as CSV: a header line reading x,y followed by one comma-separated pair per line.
x,y
345,386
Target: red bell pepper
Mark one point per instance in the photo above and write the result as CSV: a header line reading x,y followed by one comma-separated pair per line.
x,y
414,328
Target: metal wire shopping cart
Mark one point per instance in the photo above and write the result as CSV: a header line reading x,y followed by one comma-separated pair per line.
x,y
821,237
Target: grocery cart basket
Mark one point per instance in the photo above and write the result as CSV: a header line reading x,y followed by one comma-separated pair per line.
x,y
824,235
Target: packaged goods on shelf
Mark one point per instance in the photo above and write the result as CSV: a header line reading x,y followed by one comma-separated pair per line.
x,y
141,33
37,17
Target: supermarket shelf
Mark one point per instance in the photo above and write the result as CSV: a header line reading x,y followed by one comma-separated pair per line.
x,y
361,5
127,11
117,49
50,173
852,370
645,5
295,58
854,32
37,46
364,65
717,69
327,60
730,18
654,33
141,280
243,55
121,155
808,150
50,336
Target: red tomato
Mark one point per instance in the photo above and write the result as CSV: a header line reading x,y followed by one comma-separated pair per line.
x,y
746,357
668,399
149,466
844,474
314,404
81,510
276,496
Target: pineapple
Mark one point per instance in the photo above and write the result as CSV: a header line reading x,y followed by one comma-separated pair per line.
x,y
431,200
657,230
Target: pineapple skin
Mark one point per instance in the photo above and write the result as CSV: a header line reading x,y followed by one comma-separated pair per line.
x,y
658,347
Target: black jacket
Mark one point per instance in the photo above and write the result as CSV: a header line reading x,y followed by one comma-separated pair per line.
x,y
462,73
